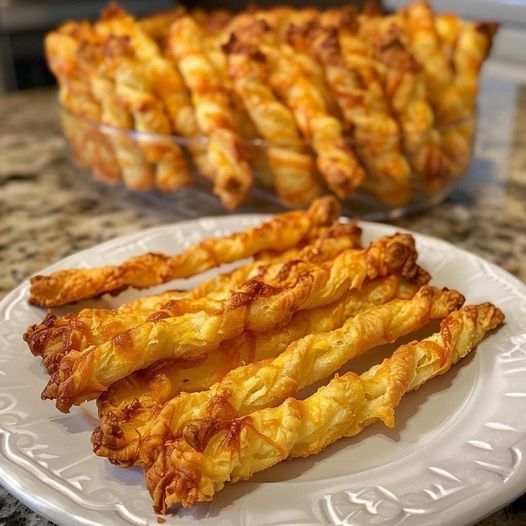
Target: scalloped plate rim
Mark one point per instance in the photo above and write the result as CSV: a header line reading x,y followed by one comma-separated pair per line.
x,y
14,478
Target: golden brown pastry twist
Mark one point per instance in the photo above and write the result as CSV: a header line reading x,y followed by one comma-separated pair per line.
x,y
232,174
256,306
279,233
56,336
473,45
426,46
212,451
137,172
267,383
375,131
282,21
293,167
325,241
165,80
406,89
335,159
229,280
135,92
133,401
91,148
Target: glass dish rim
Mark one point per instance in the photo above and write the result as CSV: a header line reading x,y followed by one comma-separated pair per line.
x,y
256,142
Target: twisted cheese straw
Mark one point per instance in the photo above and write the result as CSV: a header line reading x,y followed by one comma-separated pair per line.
x,y
166,82
147,270
280,267
473,45
335,159
232,177
465,46
293,167
316,248
55,337
90,147
277,20
426,46
256,306
134,90
406,89
136,171
212,45
281,20
213,451
376,133
132,402
451,53
267,383
447,26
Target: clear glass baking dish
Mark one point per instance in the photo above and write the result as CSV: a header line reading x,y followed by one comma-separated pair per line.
x,y
93,147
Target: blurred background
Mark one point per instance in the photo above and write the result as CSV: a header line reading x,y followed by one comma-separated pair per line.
x,y
23,24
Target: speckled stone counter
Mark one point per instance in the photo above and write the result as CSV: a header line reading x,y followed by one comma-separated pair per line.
x,y
48,210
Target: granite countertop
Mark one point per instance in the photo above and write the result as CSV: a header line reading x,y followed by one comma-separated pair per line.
x,y
48,210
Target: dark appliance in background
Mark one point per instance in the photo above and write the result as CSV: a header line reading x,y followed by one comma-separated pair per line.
x,y
23,24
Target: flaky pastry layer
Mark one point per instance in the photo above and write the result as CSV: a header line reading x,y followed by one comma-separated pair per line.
x,y
281,232
130,404
256,306
305,361
55,337
214,451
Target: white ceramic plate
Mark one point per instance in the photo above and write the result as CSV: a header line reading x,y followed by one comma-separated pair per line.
x,y
455,456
